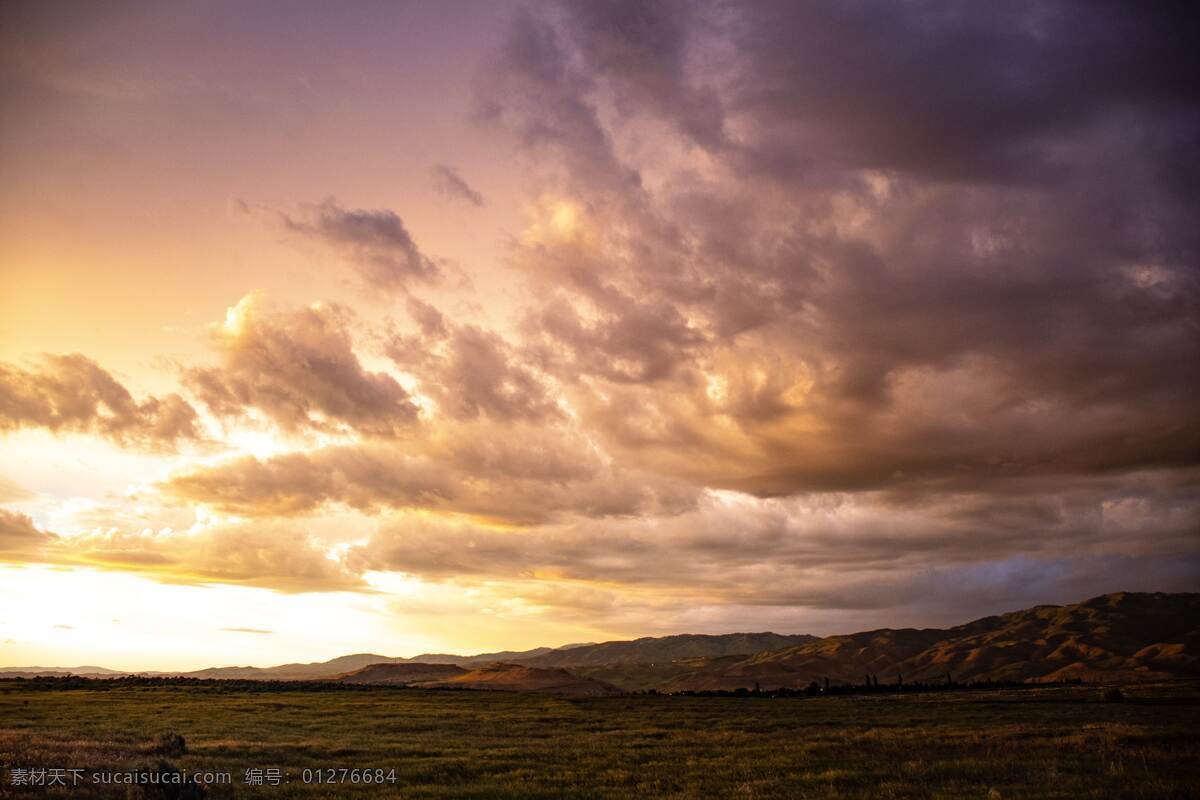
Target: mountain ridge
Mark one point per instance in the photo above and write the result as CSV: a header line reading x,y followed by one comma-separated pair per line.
x,y
1122,636
1126,636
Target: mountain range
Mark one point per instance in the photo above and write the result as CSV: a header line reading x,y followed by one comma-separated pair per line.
x,y
1114,637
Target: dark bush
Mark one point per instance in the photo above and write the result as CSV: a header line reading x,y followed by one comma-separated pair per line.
x,y
169,743
1112,695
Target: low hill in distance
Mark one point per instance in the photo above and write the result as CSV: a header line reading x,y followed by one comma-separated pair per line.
x,y
320,670
666,649
291,672
1120,636
498,675
1115,637
522,678
82,672
482,658
651,650
404,674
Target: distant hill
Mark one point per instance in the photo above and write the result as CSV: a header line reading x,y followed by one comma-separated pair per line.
x,y
494,676
294,672
30,672
651,650
482,658
1121,636
522,678
1115,637
405,674
667,648
343,664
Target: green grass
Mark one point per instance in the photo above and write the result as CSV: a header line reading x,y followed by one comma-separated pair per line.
x,y
1046,743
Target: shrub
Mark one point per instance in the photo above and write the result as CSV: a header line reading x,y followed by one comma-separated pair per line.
x,y
169,743
1112,695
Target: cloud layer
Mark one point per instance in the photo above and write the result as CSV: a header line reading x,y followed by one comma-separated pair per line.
x,y
374,242
883,300
299,370
450,184
824,305
73,394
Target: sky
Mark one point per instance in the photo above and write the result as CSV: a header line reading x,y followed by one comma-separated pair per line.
x,y
468,326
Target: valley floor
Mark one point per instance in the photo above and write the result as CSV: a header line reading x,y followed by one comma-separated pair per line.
x,y
1059,742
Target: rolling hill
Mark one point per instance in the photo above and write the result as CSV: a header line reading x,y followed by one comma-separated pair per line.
x,y
651,650
404,674
648,650
494,676
1122,636
31,672
522,678
294,672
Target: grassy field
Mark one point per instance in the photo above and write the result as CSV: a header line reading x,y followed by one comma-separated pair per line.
x,y
1059,742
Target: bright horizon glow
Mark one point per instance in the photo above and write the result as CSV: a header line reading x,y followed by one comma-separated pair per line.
x,y
133,623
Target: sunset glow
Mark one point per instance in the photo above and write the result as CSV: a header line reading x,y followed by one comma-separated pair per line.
x,y
465,327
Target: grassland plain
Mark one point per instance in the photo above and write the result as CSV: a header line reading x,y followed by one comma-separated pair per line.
x,y
1059,742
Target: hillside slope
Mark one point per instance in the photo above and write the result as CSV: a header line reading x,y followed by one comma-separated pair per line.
x,y
1121,636
295,672
406,674
522,678
652,650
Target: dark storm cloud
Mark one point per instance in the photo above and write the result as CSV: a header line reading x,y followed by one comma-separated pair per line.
x,y
931,245
998,93
534,91
644,49
994,93
71,393
450,184
374,241
299,369
834,551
